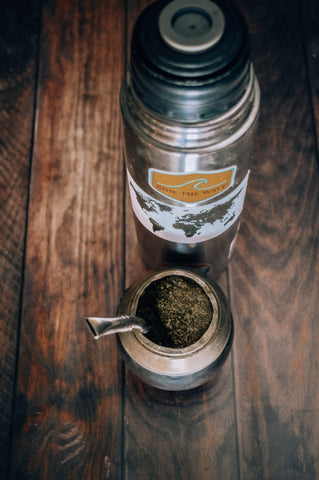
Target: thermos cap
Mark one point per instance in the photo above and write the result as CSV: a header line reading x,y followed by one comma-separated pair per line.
x,y
190,59
191,28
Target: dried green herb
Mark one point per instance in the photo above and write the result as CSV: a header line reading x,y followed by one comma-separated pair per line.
x,y
177,309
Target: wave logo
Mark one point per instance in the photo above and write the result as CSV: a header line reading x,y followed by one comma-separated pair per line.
x,y
192,187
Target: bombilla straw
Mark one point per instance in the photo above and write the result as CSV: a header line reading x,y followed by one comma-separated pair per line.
x,y
99,326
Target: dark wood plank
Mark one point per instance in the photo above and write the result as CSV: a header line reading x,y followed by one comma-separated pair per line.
x,y
275,269
181,436
68,408
19,28
310,18
170,435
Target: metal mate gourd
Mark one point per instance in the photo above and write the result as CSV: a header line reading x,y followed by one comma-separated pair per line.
x,y
181,366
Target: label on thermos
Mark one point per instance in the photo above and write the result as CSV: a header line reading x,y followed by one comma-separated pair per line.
x,y
192,187
192,221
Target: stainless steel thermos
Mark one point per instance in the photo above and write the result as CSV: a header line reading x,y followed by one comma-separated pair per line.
x,y
189,101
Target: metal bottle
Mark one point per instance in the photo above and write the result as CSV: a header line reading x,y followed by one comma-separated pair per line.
x,y
190,102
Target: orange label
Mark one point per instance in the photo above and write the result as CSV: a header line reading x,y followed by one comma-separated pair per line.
x,y
192,187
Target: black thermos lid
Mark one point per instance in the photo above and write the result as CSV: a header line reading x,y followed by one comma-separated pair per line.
x,y
190,58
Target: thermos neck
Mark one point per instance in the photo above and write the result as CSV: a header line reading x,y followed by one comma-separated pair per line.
x,y
217,132
190,60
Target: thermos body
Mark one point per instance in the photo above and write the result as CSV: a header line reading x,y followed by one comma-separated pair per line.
x,y
190,103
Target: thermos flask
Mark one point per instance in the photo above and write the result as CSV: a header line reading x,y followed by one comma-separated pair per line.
x,y
189,102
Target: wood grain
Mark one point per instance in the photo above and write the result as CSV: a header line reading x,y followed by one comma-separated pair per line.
x,y
19,28
181,436
68,406
77,412
310,16
274,274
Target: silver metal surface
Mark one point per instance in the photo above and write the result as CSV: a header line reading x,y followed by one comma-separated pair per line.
x,y
99,326
220,143
177,368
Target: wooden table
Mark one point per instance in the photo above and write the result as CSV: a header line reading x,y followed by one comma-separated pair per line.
x,y
69,408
